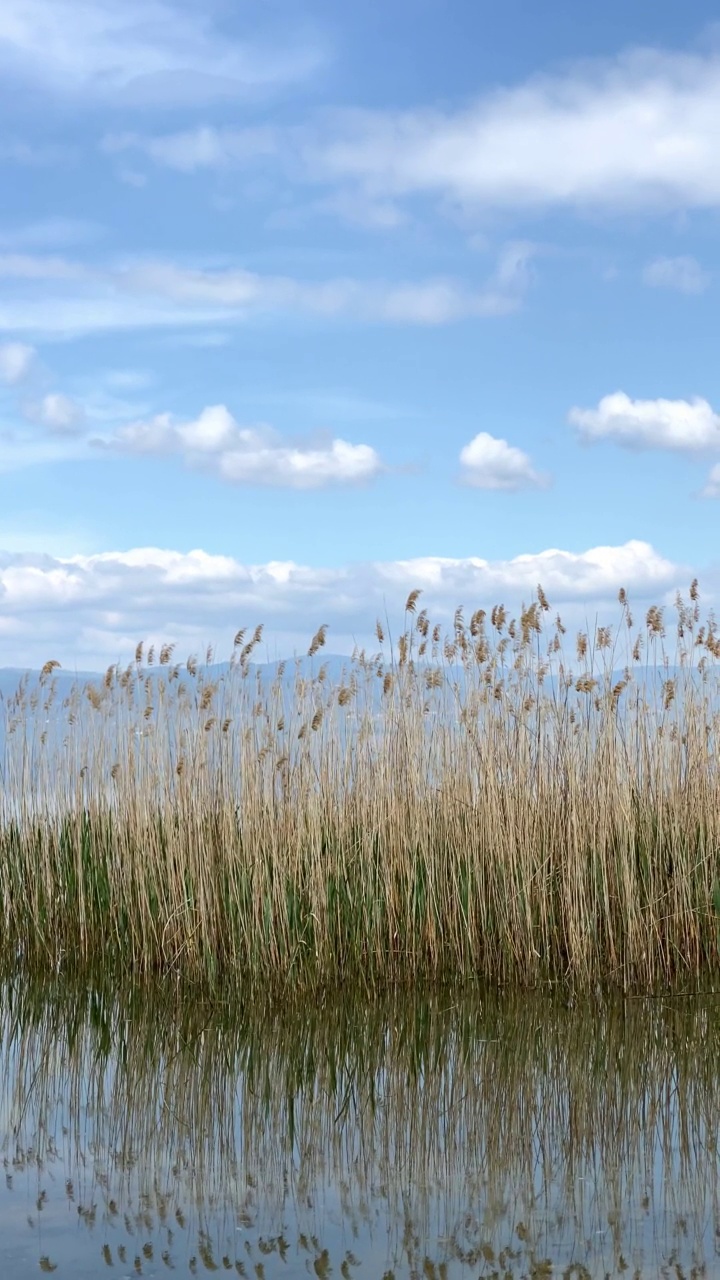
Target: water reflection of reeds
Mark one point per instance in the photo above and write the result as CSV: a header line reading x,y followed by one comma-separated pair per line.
x,y
474,1122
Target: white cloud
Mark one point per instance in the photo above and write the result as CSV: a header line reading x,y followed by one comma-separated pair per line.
x,y
712,488
208,147
75,299
638,131
16,360
128,379
263,462
57,412
140,52
683,274
683,426
72,316
91,609
437,301
491,463
255,455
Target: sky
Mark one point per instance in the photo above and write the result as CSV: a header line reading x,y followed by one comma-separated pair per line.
x,y
305,305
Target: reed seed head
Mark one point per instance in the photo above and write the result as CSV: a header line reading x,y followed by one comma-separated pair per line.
x,y
318,640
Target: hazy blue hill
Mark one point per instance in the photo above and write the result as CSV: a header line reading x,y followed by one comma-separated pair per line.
x,y
335,665
10,677
66,680
647,681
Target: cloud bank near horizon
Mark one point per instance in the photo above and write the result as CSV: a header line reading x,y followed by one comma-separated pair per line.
x,y
90,610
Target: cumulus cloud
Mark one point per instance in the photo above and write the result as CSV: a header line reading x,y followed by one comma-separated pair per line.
x,y
683,274
256,455
682,426
51,295
58,412
91,609
491,463
140,52
16,360
637,131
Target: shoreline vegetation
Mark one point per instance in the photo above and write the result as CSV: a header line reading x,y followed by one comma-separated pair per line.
x,y
495,798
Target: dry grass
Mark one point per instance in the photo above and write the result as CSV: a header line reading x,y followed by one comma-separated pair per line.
x,y
495,800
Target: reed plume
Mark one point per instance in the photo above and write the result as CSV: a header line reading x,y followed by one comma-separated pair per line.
x,y
490,802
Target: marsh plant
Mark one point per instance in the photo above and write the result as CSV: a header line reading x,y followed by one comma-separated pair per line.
x,y
494,798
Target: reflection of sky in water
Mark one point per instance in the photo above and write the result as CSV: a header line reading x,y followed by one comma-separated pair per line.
x,y
429,1139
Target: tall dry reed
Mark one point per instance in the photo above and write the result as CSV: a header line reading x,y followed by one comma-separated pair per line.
x,y
499,800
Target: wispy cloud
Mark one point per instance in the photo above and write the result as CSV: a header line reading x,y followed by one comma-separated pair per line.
x,y
27,266
20,151
683,274
154,52
200,148
712,487
256,455
50,233
91,609
357,209
681,426
16,361
52,295
638,131
57,412
208,147
489,462
438,301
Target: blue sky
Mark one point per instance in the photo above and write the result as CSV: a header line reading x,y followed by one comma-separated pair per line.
x,y
304,305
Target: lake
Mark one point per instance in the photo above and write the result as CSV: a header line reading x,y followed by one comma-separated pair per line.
x,y
415,1134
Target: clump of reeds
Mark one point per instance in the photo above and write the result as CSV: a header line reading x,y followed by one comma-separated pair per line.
x,y
486,798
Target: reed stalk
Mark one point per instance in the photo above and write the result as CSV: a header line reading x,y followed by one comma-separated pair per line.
x,y
490,799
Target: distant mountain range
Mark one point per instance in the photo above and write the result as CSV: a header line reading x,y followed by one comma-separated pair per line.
x,y
335,665
10,677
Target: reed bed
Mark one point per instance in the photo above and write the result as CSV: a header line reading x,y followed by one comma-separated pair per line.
x,y
495,798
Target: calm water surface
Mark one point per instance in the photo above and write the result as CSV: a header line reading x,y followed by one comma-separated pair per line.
x,y
425,1136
